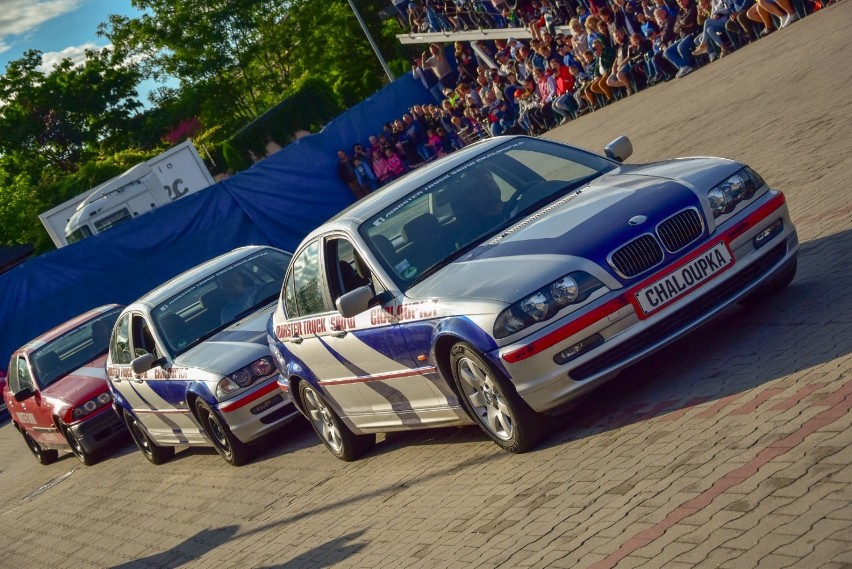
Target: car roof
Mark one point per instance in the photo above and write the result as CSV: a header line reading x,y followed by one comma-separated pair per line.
x,y
375,202
168,289
65,327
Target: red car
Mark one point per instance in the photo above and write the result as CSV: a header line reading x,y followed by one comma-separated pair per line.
x,y
56,389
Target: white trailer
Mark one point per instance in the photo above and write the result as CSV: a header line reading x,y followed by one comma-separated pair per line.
x,y
163,179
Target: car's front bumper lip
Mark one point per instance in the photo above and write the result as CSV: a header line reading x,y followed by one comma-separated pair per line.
x,y
249,417
99,430
544,385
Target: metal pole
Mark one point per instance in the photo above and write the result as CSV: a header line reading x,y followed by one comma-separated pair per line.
x,y
372,43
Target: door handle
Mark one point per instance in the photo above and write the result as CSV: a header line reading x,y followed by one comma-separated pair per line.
x,y
139,380
339,333
295,339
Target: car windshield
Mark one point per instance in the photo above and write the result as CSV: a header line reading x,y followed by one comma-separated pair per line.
x,y
451,214
73,350
220,299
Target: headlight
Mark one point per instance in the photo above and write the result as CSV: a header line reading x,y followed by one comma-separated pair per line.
x,y
736,189
544,303
92,405
245,376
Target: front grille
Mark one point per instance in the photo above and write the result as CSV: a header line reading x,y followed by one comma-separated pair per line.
x,y
682,317
680,230
637,256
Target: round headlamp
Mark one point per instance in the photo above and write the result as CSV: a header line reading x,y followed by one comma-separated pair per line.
x,y
564,291
535,305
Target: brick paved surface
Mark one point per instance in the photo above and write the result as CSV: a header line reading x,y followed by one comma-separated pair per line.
x,y
730,449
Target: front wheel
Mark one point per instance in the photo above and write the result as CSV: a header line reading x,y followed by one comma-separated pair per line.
x,y
343,443
491,400
234,451
154,453
84,456
43,456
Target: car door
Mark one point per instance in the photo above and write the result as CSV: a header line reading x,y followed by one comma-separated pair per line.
x,y
157,397
35,414
363,363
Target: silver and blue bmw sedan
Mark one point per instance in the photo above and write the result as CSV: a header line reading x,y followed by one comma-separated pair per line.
x,y
509,278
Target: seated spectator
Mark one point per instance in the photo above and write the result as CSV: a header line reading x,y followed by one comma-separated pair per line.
x,y
685,27
763,11
714,30
530,117
604,60
498,114
546,87
620,73
664,69
564,105
738,21
417,18
583,76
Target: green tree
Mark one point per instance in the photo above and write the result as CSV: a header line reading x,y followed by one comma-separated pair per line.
x,y
54,116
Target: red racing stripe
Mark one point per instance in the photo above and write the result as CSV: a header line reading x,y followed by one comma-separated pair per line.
x,y
250,398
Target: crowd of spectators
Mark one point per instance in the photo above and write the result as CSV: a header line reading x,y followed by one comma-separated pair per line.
x,y
612,49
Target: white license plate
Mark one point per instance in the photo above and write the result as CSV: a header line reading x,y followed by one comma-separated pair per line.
x,y
685,278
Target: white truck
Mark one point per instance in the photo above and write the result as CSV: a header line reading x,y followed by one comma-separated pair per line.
x,y
163,179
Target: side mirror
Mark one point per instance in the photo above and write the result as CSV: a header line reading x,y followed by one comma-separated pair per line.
x,y
355,301
619,149
142,364
24,394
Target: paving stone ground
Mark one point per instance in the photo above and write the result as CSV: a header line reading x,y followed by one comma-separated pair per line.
x,y
730,449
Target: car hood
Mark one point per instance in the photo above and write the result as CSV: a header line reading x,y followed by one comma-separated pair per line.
x,y
578,234
82,384
232,348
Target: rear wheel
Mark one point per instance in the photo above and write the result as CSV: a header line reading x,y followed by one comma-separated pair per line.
x,y
154,453
233,450
491,400
343,443
43,456
84,456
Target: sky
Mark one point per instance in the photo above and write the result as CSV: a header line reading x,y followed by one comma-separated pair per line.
x,y
57,28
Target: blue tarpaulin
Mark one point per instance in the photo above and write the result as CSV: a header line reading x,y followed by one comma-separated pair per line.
x,y
275,202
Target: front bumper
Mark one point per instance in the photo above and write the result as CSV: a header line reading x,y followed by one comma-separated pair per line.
x,y
259,411
628,337
98,431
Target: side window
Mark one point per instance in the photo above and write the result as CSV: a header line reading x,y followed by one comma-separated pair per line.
x,y
119,348
289,295
346,270
307,282
143,341
14,384
25,378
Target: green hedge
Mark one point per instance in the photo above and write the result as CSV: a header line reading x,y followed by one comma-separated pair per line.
x,y
311,104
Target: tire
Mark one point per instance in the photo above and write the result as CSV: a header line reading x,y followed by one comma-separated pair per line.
x,y
491,400
43,456
234,451
84,456
335,435
154,453
776,285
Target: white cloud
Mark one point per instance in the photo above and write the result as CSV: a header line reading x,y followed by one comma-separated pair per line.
x,y
76,54
21,17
